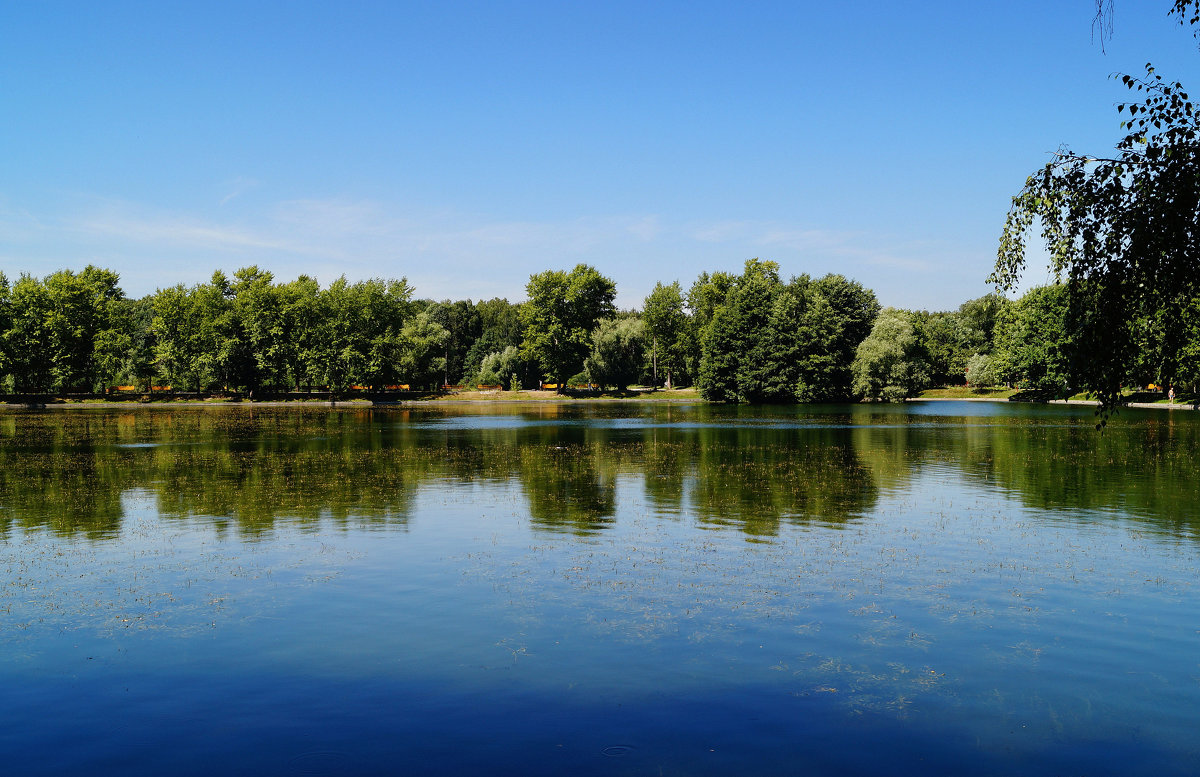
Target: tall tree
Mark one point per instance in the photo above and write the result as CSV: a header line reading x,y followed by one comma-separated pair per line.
x,y
176,331
31,357
737,346
499,328
5,325
618,352
667,327
890,363
559,316
1124,230
83,314
138,360
421,349
1035,344
707,294
258,307
301,315
854,308
463,324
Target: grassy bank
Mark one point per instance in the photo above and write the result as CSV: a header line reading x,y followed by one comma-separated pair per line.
x,y
637,393
965,392
299,400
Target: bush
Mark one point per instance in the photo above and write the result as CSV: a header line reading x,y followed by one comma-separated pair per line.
x,y
496,365
981,371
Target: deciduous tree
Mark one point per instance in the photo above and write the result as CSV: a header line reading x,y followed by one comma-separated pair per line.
x,y
559,316
667,327
618,352
1124,231
890,363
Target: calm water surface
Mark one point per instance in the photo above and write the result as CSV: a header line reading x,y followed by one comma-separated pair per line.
x,y
942,588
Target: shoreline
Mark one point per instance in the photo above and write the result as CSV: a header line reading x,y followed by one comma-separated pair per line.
x,y
1084,402
356,403
364,404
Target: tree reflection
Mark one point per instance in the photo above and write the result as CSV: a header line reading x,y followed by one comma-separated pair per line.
x,y
756,472
757,480
569,488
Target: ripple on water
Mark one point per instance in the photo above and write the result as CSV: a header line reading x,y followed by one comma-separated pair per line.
x,y
320,762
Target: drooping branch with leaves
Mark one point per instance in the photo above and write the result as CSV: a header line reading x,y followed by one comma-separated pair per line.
x,y
1123,231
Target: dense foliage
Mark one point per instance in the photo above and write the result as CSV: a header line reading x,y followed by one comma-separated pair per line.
x,y
891,363
769,341
558,318
1123,232
749,337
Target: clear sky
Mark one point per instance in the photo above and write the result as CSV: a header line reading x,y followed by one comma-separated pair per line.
x,y
467,145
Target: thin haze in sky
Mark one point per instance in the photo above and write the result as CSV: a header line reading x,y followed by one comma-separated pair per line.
x,y
467,145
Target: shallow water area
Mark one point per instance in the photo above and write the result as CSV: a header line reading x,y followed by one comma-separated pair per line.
x,y
600,589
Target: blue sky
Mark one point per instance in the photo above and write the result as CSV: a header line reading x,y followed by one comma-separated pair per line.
x,y
467,145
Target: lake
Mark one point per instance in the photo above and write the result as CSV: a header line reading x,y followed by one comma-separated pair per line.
x,y
593,588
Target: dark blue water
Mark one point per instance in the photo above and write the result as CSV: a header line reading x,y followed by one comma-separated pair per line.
x,y
933,589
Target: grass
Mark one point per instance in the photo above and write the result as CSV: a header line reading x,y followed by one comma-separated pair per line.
x,y
967,392
634,393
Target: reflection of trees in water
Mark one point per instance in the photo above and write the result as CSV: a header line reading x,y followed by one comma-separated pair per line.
x,y
1145,469
668,459
260,489
569,487
1144,466
757,480
65,493
260,469
67,472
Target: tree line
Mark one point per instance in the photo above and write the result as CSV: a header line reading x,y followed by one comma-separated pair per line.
x,y
748,338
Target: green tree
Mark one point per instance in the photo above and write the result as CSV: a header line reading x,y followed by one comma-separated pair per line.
x,y
978,317
463,325
361,333
1034,343
176,332
84,316
499,328
64,333
258,308
668,328
226,357
138,361
618,352
981,370
383,312
498,367
559,316
302,314
854,308
707,294
738,344
820,369
890,363
31,357
775,342
5,326
420,354
944,336
340,353
1189,353
1123,230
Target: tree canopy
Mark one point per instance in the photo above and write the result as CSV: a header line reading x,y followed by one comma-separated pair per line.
x,y
558,318
1124,231
891,363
